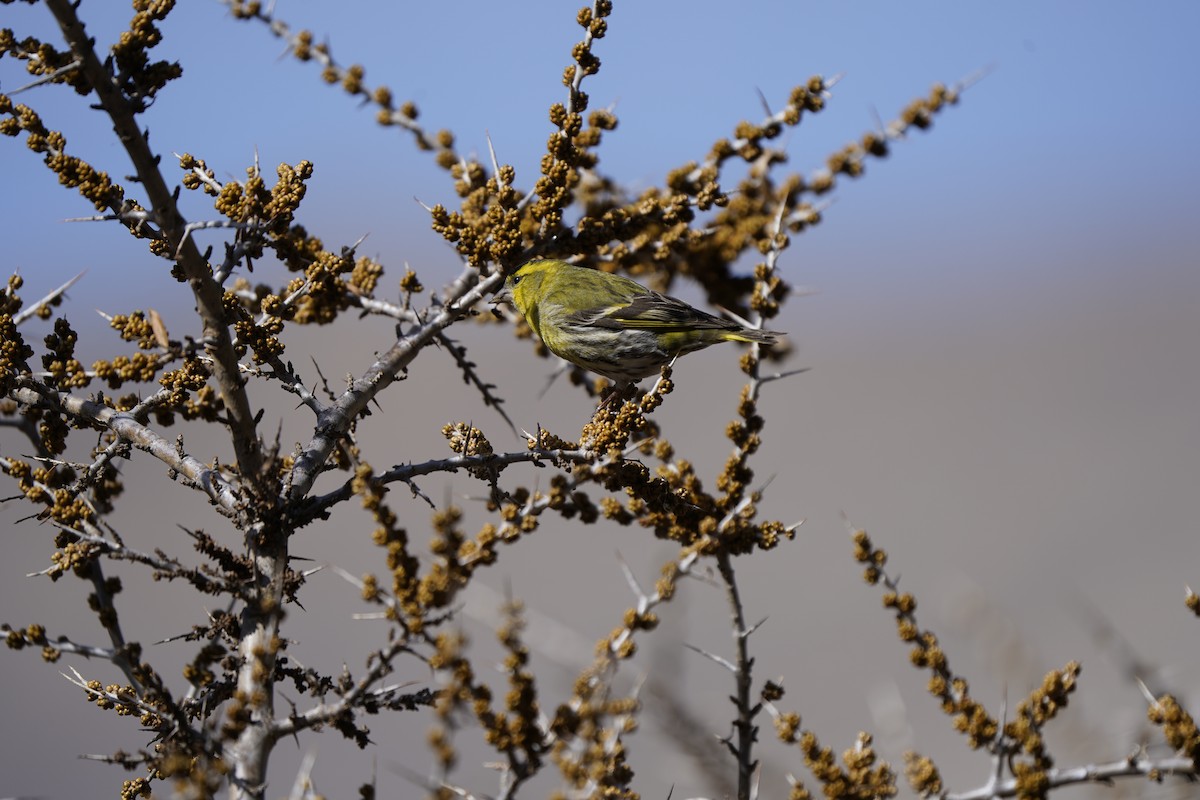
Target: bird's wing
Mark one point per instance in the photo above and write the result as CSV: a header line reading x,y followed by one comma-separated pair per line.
x,y
652,311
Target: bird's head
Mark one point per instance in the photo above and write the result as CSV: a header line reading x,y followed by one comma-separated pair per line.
x,y
523,288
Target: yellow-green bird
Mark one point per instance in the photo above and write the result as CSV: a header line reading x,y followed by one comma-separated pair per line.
x,y
611,325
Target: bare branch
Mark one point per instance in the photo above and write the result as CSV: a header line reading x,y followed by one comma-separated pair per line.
x,y
31,310
335,420
207,292
222,493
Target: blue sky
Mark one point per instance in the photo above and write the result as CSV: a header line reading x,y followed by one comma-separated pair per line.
x,y
1084,123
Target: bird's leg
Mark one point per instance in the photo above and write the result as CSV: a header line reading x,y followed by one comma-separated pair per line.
x,y
617,392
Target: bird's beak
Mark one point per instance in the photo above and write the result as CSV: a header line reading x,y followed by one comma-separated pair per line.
x,y
503,297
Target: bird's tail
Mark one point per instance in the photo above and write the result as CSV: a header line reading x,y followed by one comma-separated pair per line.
x,y
753,335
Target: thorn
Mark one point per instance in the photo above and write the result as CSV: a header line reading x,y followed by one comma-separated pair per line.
x,y
492,151
32,309
347,576
781,375
978,75
638,685
633,448
763,99
47,78
746,633
631,579
714,657
880,126
745,323
552,378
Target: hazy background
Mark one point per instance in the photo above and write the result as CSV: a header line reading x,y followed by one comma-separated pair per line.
x,y
1004,376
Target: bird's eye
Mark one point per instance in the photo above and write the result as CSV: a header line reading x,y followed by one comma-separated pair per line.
x,y
516,279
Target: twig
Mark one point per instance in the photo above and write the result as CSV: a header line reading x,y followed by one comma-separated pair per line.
x,y
471,376
744,725
223,494
335,420
208,293
31,310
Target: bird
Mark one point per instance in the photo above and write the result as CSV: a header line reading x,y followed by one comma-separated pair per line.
x,y
611,325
